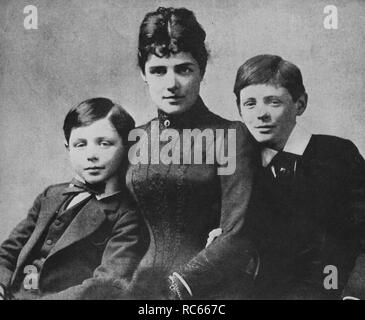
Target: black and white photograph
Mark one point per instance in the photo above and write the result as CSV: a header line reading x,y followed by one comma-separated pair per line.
x,y
182,150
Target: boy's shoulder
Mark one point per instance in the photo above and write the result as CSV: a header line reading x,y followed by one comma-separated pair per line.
x,y
333,140
331,143
55,189
333,147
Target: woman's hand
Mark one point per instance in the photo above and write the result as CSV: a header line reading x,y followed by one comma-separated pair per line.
x,y
215,233
2,293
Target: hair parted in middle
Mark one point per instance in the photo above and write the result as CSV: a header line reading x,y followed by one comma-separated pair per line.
x,y
269,69
169,31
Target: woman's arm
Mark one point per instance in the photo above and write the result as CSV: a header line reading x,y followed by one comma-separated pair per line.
x,y
228,259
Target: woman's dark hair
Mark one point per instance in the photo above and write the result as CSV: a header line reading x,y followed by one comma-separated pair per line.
x,y
91,110
168,31
269,69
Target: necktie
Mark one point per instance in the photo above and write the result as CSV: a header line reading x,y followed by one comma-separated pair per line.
x,y
284,164
77,186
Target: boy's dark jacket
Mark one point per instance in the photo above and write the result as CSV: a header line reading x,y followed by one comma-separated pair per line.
x,y
102,246
316,220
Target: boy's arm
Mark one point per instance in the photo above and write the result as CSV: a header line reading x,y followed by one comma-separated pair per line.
x,y
353,166
11,247
123,252
355,287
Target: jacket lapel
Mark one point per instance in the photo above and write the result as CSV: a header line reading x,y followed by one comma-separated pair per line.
x,y
89,219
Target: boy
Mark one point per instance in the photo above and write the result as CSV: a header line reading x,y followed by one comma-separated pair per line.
x,y
312,188
80,240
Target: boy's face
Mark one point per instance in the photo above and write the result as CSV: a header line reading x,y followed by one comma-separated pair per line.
x,y
96,151
270,113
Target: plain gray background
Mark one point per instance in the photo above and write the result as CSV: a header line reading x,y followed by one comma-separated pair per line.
x,y
84,49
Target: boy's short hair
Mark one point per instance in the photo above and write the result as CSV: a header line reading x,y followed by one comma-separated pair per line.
x,y
269,69
91,110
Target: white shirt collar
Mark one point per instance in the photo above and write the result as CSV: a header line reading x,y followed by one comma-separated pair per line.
x,y
297,143
267,155
107,195
77,177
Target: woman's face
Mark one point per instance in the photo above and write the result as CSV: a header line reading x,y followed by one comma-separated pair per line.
x,y
174,81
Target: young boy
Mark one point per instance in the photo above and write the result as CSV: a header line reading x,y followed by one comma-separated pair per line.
x,y
80,240
312,188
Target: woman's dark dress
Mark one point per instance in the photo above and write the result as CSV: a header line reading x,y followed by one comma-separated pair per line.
x,y
182,203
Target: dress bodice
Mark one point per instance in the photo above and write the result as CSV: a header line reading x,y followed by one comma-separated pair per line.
x,y
183,201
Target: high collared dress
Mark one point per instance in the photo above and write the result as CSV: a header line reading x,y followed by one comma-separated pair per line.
x,y
183,202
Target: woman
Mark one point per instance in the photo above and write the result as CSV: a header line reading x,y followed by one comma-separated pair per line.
x,y
183,200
